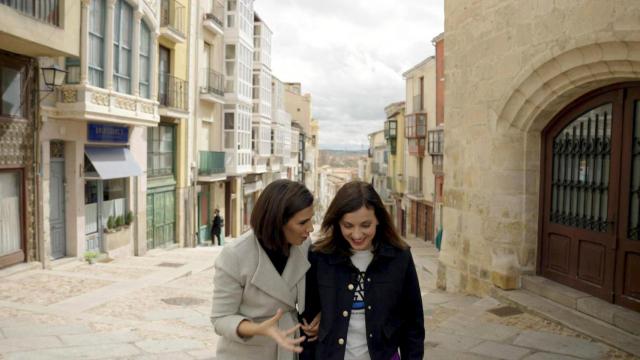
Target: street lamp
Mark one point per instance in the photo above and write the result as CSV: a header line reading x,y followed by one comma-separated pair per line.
x,y
53,76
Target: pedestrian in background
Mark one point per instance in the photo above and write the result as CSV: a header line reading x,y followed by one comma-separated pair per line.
x,y
259,281
216,227
363,282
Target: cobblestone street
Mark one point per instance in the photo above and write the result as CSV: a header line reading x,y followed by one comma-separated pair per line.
x,y
157,307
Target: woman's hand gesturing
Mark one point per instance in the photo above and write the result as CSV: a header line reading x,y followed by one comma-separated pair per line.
x,y
270,328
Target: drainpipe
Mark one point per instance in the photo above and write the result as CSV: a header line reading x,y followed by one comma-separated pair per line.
x,y
36,138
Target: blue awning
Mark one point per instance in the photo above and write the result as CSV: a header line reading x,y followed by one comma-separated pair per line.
x,y
113,162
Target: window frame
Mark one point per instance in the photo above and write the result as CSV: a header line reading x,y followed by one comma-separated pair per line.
x,y
155,152
145,55
120,78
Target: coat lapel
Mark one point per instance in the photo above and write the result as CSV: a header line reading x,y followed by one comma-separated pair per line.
x,y
297,265
267,279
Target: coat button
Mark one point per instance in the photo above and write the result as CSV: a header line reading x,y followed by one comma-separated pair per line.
x,y
370,335
345,313
341,341
368,279
369,307
350,286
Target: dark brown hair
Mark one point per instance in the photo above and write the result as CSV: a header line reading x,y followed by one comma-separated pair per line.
x,y
277,204
351,197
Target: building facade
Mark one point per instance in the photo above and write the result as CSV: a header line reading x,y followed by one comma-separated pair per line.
x,y
28,37
94,139
395,140
168,112
435,134
420,105
238,40
378,164
168,185
541,153
208,148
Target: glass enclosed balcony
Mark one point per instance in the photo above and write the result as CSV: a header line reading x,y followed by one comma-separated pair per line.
x,y
211,162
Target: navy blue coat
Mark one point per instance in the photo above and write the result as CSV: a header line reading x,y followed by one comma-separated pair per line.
x,y
393,305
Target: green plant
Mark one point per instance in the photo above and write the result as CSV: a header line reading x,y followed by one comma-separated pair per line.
x,y
129,218
119,221
90,256
111,223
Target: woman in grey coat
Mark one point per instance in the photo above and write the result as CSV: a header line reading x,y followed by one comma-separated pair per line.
x,y
259,282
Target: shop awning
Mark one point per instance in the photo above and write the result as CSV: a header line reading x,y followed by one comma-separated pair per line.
x,y
113,162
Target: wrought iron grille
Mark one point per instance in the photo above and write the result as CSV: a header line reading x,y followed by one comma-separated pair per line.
x,y
580,180
56,149
634,194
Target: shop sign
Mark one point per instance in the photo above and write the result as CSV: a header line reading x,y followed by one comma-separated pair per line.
x,y
107,133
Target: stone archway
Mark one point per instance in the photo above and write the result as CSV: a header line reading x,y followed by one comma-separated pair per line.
x,y
540,92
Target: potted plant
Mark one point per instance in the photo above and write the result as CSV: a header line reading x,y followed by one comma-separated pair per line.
x,y
90,257
119,221
111,224
128,218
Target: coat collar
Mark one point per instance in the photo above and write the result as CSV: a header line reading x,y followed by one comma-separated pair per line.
x,y
281,287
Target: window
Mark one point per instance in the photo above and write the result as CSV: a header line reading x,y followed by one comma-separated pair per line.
x,y
72,65
96,42
104,199
10,212
160,151
229,138
230,67
145,63
12,80
122,47
90,206
114,196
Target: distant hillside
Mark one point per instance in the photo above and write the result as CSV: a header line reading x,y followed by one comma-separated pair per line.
x,y
341,158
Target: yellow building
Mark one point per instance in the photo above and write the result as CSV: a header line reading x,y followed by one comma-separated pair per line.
x,y
168,169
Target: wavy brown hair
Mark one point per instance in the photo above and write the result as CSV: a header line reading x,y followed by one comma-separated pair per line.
x,y
351,197
277,204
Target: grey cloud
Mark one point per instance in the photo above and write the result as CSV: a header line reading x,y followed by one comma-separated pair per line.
x,y
350,55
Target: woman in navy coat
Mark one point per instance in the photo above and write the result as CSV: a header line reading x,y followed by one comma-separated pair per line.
x,y
363,282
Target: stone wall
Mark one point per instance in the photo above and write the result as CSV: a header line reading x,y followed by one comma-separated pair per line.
x,y
510,66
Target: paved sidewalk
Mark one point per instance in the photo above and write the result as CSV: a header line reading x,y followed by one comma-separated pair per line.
x,y
157,307
463,327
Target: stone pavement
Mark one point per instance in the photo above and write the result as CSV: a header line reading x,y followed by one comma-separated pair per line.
x,y
157,307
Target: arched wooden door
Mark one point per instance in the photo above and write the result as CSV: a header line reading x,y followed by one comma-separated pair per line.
x,y
590,205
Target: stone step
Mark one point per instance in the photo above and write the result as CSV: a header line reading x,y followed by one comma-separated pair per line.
x,y
571,318
615,315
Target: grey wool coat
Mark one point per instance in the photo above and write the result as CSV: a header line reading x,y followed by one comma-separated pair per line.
x,y
246,285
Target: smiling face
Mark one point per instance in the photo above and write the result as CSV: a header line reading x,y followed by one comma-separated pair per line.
x,y
298,228
359,228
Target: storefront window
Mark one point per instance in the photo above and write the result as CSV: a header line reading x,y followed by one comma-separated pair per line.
x,y
91,206
10,227
114,199
104,198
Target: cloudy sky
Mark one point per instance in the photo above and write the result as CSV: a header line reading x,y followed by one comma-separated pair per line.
x,y
350,55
